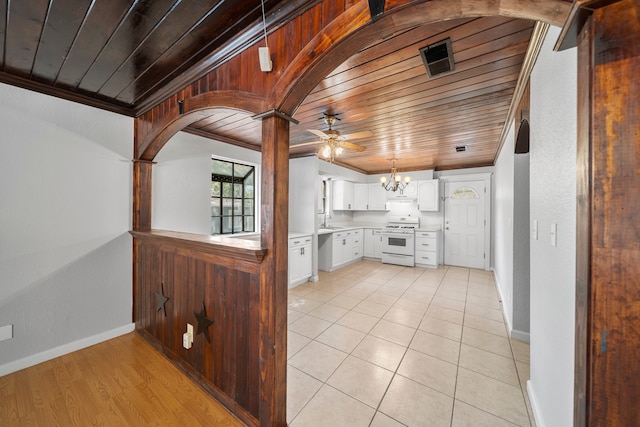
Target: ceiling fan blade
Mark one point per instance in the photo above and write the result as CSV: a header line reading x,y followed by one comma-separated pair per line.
x,y
357,135
304,144
352,146
318,133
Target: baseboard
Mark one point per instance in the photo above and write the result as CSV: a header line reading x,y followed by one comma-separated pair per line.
x,y
505,315
520,335
52,353
535,406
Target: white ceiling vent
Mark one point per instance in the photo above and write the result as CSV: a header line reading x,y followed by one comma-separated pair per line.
x,y
438,58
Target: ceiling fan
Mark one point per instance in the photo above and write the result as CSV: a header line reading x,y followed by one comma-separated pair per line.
x,y
333,141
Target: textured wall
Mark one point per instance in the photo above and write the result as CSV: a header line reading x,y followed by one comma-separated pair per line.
x,y
553,200
503,225
65,251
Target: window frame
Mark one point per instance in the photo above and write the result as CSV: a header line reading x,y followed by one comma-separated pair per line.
x,y
233,215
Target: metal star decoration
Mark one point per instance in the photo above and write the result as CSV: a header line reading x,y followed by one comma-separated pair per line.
x,y
203,323
161,300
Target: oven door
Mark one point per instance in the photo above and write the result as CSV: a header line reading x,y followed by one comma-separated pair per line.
x,y
397,243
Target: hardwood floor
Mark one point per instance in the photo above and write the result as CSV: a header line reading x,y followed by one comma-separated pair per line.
x,y
123,381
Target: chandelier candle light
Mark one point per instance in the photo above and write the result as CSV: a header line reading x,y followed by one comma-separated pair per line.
x,y
394,183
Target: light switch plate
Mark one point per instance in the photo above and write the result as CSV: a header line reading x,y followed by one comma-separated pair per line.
x,y
534,230
554,234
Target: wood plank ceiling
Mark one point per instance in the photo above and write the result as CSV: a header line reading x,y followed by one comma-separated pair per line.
x,y
127,55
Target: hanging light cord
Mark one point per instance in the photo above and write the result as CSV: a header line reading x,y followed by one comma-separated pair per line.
x,y
264,22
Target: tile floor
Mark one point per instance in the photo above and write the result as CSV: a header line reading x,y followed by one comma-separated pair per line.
x,y
377,345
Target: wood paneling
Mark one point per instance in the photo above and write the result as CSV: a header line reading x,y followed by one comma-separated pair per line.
x,y
226,279
385,88
608,272
127,55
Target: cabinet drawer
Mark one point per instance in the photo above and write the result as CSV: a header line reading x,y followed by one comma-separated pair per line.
x,y
428,258
357,233
426,244
299,241
426,234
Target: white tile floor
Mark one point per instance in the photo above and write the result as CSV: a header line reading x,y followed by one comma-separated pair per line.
x,y
381,345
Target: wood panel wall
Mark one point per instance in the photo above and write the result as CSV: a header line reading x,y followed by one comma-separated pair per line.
x,y
190,276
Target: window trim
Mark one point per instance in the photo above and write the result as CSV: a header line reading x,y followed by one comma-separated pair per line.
x,y
237,180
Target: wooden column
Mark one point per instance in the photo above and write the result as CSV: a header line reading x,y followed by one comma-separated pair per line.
x,y
273,283
608,233
142,195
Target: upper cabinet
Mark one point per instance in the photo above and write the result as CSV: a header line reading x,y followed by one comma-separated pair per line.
x,y
360,197
377,197
342,196
428,195
349,196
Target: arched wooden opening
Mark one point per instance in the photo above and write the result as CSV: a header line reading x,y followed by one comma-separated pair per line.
x,y
279,96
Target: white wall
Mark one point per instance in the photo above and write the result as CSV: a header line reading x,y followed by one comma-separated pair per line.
x,y
182,182
553,200
65,250
503,225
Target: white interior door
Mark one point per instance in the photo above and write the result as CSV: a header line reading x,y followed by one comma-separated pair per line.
x,y
464,224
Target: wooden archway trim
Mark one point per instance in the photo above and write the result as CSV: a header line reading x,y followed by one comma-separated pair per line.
x,y
194,109
353,30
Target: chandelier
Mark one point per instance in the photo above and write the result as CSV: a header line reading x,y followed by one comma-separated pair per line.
x,y
331,149
395,182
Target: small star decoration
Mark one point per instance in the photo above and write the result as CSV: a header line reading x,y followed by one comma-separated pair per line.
x,y
161,300
203,323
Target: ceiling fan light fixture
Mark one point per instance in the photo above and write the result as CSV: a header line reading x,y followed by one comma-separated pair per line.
x,y
326,151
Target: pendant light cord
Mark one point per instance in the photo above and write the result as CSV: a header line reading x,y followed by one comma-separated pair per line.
x,y
264,22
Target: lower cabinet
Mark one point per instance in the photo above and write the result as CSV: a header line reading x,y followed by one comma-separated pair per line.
x,y
345,247
300,260
372,243
427,244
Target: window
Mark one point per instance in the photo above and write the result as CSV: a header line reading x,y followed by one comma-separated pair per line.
x,y
465,193
232,197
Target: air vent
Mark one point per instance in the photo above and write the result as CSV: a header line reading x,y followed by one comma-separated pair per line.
x,y
461,148
438,58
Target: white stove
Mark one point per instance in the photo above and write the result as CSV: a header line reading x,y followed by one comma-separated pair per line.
x,y
398,241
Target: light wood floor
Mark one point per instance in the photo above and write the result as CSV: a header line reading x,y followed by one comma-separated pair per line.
x,y
121,382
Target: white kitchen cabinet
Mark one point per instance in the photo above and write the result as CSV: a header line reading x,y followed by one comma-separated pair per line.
x,y
372,243
377,197
428,195
347,247
300,260
360,197
342,195
427,245
409,192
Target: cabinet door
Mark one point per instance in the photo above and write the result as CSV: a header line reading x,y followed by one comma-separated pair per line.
x,y
377,197
339,250
342,197
360,197
377,245
294,264
369,244
305,261
428,195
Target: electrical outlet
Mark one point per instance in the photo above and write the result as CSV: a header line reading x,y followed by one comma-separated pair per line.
x,y
6,332
187,337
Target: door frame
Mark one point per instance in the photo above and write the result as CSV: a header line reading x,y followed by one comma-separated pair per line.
x,y
486,177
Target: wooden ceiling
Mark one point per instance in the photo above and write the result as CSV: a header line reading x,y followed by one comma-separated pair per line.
x,y
127,55
419,120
